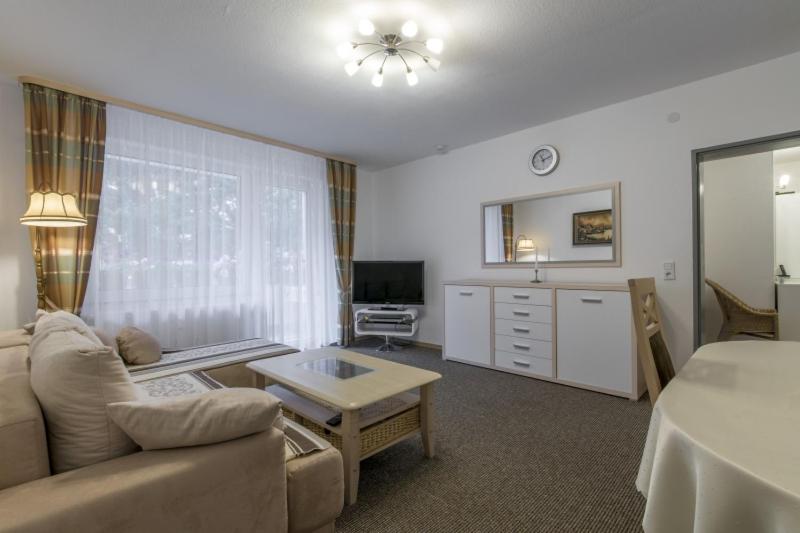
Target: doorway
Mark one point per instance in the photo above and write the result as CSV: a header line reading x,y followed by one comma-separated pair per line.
x,y
746,210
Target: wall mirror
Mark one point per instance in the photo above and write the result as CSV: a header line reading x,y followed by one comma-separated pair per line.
x,y
570,228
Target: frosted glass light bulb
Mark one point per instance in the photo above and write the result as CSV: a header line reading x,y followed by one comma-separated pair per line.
x,y
412,78
410,28
377,79
435,45
345,50
365,27
352,67
433,63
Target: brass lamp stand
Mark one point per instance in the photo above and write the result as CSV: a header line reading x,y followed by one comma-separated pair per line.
x,y
525,244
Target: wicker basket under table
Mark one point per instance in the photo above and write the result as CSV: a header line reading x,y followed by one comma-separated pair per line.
x,y
383,423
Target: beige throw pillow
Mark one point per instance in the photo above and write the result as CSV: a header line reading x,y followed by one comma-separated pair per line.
x,y
196,419
73,379
106,339
138,347
62,321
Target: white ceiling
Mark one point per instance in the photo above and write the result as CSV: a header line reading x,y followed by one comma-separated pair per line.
x,y
270,67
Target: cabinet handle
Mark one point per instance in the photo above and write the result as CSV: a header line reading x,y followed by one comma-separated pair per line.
x,y
522,313
521,363
465,293
522,296
521,330
521,346
589,300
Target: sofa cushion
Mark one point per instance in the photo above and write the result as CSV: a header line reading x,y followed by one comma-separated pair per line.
x,y
61,321
23,444
196,419
74,379
138,347
14,337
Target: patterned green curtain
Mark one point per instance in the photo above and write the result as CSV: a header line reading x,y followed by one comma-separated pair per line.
x,y
507,217
64,149
342,193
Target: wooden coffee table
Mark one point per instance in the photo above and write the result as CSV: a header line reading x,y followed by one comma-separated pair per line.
x,y
372,395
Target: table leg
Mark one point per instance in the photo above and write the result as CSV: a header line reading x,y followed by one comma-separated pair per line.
x,y
261,381
426,418
351,455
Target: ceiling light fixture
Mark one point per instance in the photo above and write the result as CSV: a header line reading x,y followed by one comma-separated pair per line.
x,y
391,45
366,28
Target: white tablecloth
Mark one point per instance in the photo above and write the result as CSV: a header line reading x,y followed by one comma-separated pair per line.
x,y
723,449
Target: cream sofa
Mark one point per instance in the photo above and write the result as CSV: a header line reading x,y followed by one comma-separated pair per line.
x,y
239,485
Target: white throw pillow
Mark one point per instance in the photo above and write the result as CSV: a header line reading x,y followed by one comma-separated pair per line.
x,y
74,379
196,419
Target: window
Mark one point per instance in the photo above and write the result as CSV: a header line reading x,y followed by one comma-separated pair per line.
x,y
204,237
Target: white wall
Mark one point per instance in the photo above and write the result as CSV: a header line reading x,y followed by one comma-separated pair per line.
x,y
738,224
18,300
430,209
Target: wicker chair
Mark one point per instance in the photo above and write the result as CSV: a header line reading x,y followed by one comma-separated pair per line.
x,y
650,346
738,318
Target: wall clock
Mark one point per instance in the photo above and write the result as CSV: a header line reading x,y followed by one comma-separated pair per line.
x,y
543,160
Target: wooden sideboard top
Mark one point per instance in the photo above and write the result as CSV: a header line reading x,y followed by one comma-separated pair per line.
x,y
586,286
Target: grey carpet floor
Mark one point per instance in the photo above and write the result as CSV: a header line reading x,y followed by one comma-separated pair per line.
x,y
512,454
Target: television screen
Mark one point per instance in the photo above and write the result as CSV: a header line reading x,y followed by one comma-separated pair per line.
x,y
389,282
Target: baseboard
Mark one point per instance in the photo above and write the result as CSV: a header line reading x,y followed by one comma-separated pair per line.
x,y
429,345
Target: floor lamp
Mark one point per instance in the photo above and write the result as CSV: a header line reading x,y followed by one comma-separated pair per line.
x,y
49,209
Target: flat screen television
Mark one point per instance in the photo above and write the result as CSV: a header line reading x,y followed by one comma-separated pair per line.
x,y
389,282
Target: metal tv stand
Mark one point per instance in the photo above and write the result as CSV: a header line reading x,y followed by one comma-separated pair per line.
x,y
386,322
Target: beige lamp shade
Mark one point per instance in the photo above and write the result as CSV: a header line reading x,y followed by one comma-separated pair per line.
x,y
525,244
53,210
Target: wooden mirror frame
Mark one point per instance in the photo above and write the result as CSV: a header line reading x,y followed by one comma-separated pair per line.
x,y
616,246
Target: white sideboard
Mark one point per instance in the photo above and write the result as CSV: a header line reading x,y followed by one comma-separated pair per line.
x,y
578,334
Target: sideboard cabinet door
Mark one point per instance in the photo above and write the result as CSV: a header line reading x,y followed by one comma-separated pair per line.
x,y
595,339
467,323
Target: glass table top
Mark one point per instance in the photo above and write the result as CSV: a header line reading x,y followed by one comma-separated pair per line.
x,y
335,367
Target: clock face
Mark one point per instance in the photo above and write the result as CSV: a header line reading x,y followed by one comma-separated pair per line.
x,y
543,160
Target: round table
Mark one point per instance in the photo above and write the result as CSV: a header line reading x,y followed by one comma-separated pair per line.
x,y
723,448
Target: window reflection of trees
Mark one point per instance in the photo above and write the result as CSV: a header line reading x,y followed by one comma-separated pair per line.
x,y
162,219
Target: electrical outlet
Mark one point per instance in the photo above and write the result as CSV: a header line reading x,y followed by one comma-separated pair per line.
x,y
669,271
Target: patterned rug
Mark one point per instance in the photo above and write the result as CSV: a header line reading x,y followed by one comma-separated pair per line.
x,y
513,454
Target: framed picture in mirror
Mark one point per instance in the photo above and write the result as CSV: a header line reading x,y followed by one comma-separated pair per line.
x,y
592,228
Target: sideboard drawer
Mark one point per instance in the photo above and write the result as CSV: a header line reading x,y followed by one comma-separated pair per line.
x,y
467,323
524,363
524,313
519,295
523,346
527,330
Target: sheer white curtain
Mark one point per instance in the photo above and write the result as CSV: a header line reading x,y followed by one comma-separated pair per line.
x,y
205,237
493,234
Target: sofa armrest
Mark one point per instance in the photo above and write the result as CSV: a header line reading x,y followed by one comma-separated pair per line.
x,y
315,485
238,485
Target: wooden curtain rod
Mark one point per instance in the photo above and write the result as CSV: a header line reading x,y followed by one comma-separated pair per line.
x,y
177,117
